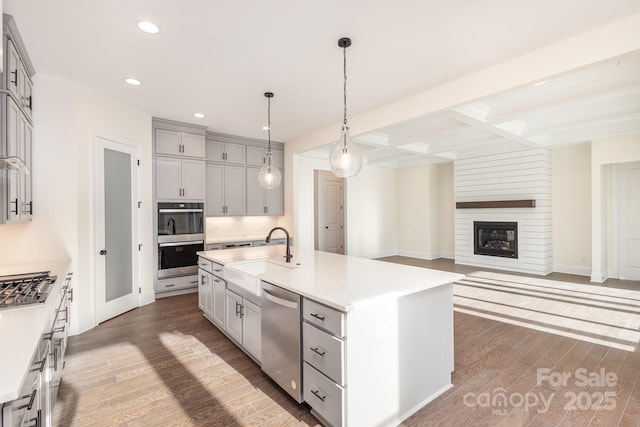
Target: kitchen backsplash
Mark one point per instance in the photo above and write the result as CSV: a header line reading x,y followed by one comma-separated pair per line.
x,y
239,226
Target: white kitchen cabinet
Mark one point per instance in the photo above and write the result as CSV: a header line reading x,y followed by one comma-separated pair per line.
x,y
226,189
244,323
205,291
16,125
225,152
178,178
256,156
233,323
261,201
182,144
252,329
218,305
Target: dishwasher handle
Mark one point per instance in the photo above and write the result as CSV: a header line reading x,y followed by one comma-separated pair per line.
x,y
280,301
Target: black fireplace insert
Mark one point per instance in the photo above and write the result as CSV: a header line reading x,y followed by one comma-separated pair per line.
x,y
495,239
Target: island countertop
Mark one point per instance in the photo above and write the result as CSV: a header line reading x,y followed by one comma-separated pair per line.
x,y
339,281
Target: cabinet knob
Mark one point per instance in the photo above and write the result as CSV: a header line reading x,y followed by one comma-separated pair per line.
x,y
103,252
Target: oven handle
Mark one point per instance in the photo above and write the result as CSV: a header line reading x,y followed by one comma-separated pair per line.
x,y
191,242
180,210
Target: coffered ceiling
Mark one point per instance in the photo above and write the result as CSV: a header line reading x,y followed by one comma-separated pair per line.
x,y
601,100
218,58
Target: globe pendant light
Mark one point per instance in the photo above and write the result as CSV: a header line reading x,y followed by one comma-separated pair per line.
x,y
345,159
269,176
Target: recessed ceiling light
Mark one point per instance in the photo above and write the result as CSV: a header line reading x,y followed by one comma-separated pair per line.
x,y
148,27
540,83
134,82
199,115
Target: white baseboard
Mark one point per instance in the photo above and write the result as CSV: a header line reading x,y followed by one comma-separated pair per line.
x,y
572,269
448,255
599,277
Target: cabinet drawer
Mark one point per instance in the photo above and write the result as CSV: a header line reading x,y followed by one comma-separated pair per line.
x,y
216,268
205,264
324,396
324,351
165,285
324,317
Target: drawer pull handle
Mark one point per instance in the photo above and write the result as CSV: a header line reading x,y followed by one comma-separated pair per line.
x,y
317,351
316,393
217,270
32,399
317,316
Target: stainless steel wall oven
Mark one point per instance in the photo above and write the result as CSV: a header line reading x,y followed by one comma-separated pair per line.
x,y
180,237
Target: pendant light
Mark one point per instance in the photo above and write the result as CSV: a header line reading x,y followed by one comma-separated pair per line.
x,y
345,159
269,176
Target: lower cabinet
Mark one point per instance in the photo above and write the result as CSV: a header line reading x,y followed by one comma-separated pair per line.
x,y
164,286
230,308
243,323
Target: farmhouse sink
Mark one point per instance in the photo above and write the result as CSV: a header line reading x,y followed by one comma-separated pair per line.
x,y
247,274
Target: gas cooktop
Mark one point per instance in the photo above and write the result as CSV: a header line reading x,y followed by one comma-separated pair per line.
x,y
24,289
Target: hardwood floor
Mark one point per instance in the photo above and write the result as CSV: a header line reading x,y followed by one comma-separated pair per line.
x,y
164,364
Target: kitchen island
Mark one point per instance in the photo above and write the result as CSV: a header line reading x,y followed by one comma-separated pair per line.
x,y
387,347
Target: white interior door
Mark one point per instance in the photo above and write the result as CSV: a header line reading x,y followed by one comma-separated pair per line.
x,y
629,221
116,219
330,213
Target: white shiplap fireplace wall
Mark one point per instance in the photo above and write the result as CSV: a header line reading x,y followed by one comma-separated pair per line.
x,y
516,175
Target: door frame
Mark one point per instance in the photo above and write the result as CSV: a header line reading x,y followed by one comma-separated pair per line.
x,y
98,216
316,209
614,222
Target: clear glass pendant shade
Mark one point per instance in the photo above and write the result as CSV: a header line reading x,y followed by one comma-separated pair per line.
x,y
345,159
269,176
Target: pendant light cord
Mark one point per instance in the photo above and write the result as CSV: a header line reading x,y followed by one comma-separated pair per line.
x,y
269,122
344,51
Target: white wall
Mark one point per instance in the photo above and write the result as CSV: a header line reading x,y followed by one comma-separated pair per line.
x,y
604,153
571,188
370,208
68,115
371,213
425,211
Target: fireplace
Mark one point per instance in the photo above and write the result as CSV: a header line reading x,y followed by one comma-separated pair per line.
x,y
495,239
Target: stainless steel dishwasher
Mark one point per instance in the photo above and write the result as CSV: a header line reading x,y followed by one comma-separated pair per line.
x,y
281,335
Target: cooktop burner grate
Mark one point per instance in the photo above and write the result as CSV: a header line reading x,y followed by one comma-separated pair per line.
x,y
24,289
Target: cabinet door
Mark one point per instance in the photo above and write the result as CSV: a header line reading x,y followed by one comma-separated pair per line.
x,y
277,158
235,190
26,140
215,189
193,179
235,153
14,148
13,70
168,171
193,145
215,151
168,142
274,201
219,288
255,193
251,330
255,155
204,292
233,324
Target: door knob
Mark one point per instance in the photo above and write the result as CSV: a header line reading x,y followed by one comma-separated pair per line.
x,y
326,227
103,252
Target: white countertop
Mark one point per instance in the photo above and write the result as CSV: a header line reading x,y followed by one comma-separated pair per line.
x,y
21,328
339,281
261,237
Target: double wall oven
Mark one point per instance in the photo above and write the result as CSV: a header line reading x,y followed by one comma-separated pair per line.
x,y
180,237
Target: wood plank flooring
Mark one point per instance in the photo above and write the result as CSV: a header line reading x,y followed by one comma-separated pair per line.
x,y
165,365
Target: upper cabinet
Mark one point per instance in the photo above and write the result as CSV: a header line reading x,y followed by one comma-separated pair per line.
x,y
257,156
233,164
225,152
16,124
179,166
174,143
